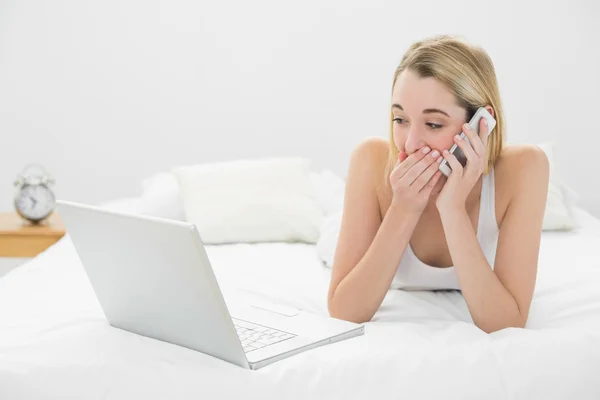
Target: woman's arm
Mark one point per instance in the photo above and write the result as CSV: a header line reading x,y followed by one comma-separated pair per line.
x,y
360,293
501,298
369,249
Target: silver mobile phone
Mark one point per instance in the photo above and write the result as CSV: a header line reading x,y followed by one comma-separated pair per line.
x,y
458,153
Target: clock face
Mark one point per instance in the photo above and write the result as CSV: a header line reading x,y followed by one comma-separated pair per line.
x,y
35,202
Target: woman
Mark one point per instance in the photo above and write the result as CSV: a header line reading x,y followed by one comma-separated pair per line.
x,y
407,226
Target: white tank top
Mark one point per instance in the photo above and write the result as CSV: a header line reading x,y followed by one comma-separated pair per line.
x,y
413,274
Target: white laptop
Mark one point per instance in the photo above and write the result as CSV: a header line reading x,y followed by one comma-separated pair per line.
x,y
152,277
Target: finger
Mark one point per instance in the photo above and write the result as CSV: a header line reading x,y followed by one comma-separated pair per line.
x,y
426,176
484,132
412,174
428,188
483,128
411,160
475,140
456,166
402,156
467,149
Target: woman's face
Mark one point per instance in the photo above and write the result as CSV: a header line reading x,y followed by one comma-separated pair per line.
x,y
425,114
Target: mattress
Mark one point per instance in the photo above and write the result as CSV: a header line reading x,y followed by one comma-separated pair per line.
x,y
56,343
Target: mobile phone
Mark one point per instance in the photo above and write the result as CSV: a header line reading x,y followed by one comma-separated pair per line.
x,y
474,124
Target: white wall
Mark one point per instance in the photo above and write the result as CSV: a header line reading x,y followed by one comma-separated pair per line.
x,y
105,93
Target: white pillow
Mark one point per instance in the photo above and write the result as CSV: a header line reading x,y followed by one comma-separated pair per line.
x,y
561,200
251,200
330,191
161,197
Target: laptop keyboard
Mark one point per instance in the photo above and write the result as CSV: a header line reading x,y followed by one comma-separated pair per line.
x,y
255,336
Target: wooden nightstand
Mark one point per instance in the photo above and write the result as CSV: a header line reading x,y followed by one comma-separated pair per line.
x,y
21,240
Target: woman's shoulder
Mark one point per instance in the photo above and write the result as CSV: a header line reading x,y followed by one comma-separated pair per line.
x,y
372,154
518,158
517,166
369,158
373,147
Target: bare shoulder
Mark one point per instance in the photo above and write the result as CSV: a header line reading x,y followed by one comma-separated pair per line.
x,y
373,150
518,161
370,156
520,170
523,153
367,164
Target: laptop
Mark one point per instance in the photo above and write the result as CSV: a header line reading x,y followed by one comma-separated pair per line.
x,y
152,277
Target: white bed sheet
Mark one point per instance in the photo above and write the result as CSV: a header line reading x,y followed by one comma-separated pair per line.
x,y
55,342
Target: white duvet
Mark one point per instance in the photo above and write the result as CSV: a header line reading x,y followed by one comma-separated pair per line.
x,y
55,342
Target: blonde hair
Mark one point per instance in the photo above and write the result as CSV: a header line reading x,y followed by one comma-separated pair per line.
x,y
467,71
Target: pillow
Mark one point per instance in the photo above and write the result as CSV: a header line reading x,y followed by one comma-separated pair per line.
x,y
561,200
251,200
161,197
330,191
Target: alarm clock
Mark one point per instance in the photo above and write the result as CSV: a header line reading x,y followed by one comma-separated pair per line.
x,y
34,198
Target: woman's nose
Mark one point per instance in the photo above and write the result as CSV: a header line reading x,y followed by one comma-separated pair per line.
x,y
414,141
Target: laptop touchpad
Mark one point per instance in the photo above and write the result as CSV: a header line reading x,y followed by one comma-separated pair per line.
x,y
276,308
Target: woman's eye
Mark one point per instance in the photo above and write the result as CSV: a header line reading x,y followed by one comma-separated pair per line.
x,y
434,126
398,120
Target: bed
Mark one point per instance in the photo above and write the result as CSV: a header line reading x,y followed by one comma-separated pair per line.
x,y
55,342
